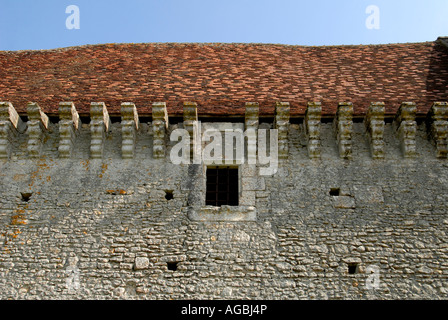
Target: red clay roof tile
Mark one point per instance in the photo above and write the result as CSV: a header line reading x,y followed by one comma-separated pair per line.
x,y
221,78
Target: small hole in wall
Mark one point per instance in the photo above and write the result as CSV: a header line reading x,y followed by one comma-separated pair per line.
x,y
169,195
171,266
26,196
335,192
352,268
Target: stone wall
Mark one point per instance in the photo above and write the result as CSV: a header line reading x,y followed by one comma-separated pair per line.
x,y
326,227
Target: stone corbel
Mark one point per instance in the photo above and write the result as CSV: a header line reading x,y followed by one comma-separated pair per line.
x,y
69,126
406,128
281,123
129,127
100,125
343,125
10,125
37,126
313,115
190,123
159,126
251,126
437,126
374,124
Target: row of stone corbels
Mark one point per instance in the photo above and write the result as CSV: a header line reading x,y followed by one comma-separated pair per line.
x,y
11,124
69,126
251,123
404,124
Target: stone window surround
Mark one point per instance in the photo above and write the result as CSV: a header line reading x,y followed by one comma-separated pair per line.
x,y
249,183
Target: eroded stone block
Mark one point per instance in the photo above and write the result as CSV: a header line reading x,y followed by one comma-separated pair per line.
x,y
10,125
69,125
129,127
406,128
313,116
99,126
343,124
374,123
437,127
159,126
37,126
281,123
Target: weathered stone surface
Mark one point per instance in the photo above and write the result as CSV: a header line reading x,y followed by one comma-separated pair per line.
x,y
10,125
82,229
281,123
224,213
129,126
251,123
406,128
141,263
343,125
37,126
344,202
437,126
190,123
69,126
159,127
374,122
313,115
99,126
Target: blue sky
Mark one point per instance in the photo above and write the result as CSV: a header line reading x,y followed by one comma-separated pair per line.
x,y
41,24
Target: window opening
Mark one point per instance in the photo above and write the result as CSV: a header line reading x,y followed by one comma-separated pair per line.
x,y
222,186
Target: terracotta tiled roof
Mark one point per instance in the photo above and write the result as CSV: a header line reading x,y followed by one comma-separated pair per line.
x,y
222,77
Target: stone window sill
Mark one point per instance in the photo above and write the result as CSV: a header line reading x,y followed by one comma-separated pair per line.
x,y
224,213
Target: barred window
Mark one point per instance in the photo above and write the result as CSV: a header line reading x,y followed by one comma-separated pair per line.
x,y
222,186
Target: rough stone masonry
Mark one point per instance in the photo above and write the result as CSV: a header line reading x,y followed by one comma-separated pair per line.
x,y
95,210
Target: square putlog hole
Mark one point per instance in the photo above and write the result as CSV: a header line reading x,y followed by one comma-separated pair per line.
x,y
169,195
352,268
172,266
26,196
335,192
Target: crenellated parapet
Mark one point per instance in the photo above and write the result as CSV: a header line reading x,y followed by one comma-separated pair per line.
x,y
251,122
406,128
374,124
37,127
159,126
99,126
10,125
129,127
312,120
343,125
281,123
437,126
69,126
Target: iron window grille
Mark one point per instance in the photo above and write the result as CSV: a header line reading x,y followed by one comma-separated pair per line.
x,y
222,186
